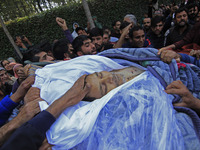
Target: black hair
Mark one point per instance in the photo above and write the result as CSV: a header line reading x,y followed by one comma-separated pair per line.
x,y
96,32
135,28
78,42
114,22
124,25
45,46
79,28
30,55
59,48
2,63
105,32
155,20
181,10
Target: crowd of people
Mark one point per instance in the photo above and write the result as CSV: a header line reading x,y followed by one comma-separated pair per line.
x,y
172,29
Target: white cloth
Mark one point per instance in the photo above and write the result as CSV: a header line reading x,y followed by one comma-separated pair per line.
x,y
75,123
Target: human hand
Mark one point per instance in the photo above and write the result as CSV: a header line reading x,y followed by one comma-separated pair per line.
x,y
73,96
18,39
126,30
25,38
78,91
28,111
177,87
167,56
32,94
45,145
22,89
62,23
195,53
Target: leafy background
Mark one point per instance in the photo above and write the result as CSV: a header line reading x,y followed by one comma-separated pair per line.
x,y
43,25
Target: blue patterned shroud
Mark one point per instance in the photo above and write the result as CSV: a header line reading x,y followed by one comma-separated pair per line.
x,y
141,135
141,116
136,115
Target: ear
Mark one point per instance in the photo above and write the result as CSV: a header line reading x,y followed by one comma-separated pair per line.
x,y
79,53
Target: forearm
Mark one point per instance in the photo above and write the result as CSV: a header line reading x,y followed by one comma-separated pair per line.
x,y
7,130
68,35
172,46
58,106
119,43
189,59
23,46
29,43
31,134
196,105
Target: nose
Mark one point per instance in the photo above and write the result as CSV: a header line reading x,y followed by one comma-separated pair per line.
x,y
92,45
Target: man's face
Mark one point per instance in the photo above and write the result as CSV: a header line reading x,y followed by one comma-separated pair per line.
x,y
147,23
158,28
20,72
138,39
106,38
88,48
193,12
70,51
198,17
103,82
117,25
44,57
181,19
98,42
81,32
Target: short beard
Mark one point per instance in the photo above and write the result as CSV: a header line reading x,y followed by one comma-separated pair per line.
x,y
99,48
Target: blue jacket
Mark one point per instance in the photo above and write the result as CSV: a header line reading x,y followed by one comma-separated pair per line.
x,y
6,108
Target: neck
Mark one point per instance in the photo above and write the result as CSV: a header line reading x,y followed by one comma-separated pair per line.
x,y
182,29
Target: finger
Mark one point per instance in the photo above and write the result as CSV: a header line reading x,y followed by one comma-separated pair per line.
x,y
179,104
45,146
162,55
175,84
160,51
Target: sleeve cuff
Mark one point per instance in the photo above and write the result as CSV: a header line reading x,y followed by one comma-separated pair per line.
x,y
43,121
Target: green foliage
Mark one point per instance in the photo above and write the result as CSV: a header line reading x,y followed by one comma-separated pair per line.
x,y
43,25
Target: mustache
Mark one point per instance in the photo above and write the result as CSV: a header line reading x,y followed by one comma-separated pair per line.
x,y
182,21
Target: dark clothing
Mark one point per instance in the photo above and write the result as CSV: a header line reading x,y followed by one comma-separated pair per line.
x,y
147,43
156,42
114,34
6,108
68,35
15,86
191,37
30,135
172,35
108,46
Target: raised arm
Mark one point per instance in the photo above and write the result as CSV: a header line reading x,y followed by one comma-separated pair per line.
x,y
62,23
